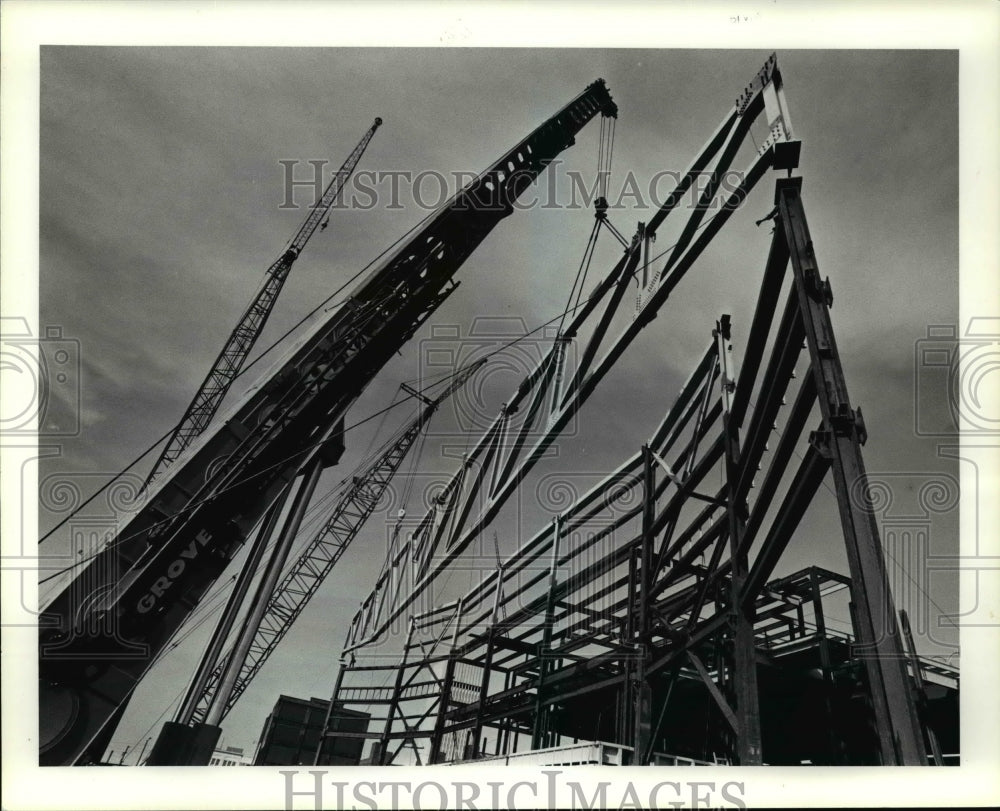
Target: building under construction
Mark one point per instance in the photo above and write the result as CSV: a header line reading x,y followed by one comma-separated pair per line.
x,y
642,624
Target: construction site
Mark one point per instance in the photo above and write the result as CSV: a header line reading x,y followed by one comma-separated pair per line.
x,y
673,607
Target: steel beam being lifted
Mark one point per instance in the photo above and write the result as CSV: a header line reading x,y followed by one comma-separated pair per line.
x,y
506,458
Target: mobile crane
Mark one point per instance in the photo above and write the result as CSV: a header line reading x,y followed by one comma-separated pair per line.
x,y
99,634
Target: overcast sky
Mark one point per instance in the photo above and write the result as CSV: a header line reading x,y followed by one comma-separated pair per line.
x,y
160,203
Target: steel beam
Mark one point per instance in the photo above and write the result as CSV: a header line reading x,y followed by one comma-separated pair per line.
x,y
807,481
779,461
643,689
920,689
760,327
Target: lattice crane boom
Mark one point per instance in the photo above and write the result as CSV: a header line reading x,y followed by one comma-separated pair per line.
x,y
248,328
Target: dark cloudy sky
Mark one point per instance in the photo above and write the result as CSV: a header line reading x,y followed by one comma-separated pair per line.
x,y
159,211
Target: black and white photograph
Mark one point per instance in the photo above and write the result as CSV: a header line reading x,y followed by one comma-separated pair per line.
x,y
396,396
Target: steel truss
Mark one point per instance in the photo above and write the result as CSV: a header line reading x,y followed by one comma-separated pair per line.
x,y
625,603
501,457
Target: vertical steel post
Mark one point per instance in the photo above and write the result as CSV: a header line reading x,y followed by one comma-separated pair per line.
x,y
825,664
879,646
918,679
394,701
544,655
643,691
748,745
325,732
506,723
484,684
445,699
623,720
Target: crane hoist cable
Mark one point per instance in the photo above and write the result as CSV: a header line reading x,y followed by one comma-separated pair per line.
x,y
605,151
581,273
604,154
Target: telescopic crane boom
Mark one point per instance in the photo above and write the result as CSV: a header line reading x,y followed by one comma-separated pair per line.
x,y
234,352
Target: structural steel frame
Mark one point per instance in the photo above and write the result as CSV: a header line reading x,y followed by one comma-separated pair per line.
x,y
686,592
499,461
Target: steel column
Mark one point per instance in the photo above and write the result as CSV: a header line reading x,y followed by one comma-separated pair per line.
x,y
824,658
878,634
544,657
643,690
444,699
394,701
921,691
325,732
748,741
